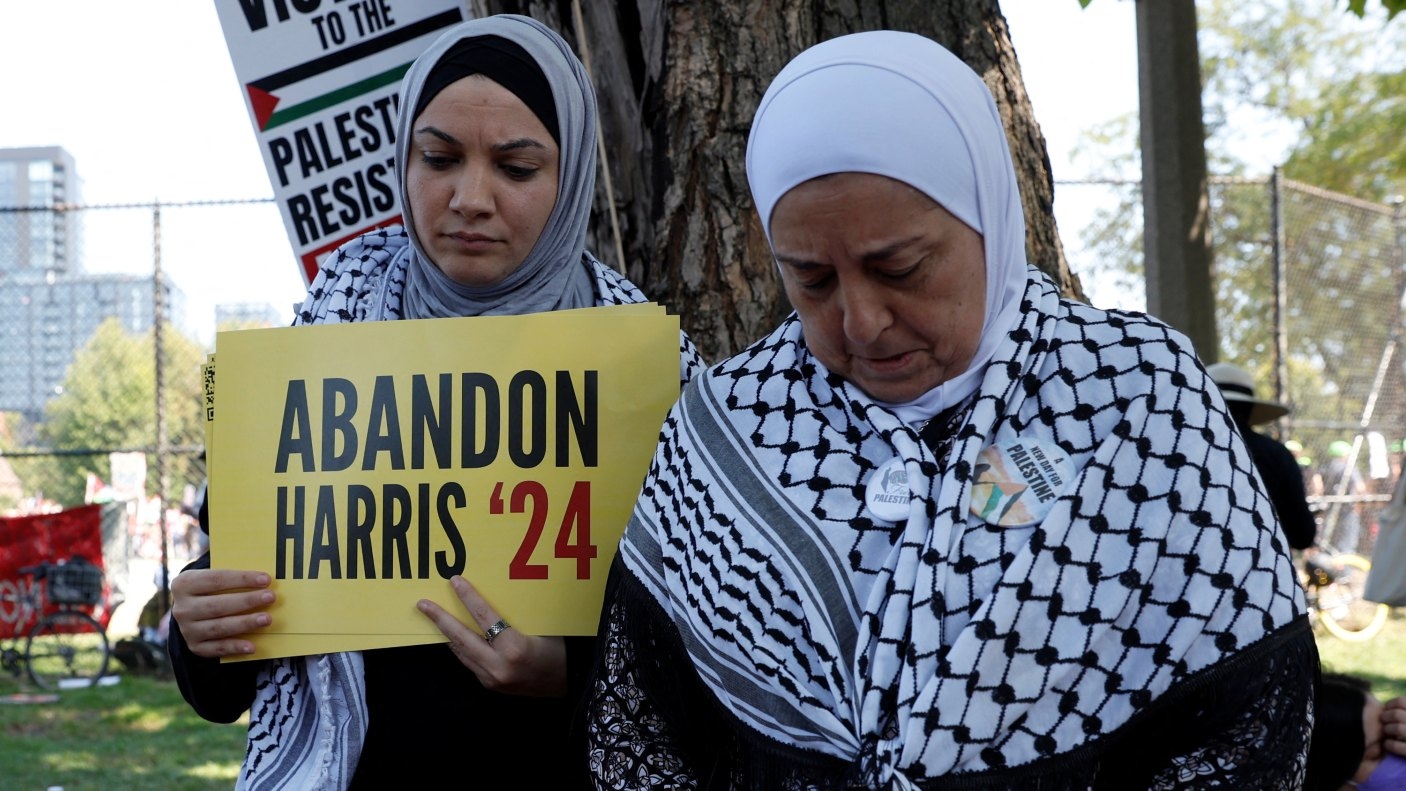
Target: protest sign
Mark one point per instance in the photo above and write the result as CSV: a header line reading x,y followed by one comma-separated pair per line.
x,y
321,80
362,465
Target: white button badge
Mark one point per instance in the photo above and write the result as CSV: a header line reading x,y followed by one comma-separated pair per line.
x,y
1018,481
887,492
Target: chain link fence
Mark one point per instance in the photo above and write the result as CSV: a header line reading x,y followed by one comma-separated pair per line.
x,y
1309,289
107,313
99,400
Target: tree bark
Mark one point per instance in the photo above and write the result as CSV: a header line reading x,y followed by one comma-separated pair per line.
x,y
678,84
1176,202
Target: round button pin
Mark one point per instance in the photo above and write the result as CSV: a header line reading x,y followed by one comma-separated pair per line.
x,y
1018,481
887,493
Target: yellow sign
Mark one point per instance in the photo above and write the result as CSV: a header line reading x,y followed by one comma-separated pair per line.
x,y
363,465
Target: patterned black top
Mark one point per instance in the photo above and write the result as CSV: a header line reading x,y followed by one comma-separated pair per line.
x,y
768,626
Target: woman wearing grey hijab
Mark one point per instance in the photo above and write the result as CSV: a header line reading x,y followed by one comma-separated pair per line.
x,y
495,168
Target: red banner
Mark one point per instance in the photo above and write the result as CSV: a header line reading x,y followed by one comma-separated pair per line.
x,y
30,540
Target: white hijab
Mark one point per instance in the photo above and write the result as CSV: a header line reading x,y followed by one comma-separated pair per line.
x,y
912,112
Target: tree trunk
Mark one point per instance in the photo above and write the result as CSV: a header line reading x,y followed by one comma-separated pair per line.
x,y
1176,201
678,84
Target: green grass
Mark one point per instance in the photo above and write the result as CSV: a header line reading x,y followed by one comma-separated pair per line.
x,y
139,734
1381,660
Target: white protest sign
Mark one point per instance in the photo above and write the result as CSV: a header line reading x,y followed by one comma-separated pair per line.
x,y
321,80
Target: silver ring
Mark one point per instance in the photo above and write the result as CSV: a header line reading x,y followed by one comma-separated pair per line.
x,y
495,630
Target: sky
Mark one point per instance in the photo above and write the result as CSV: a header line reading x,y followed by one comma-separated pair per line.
x,y
143,95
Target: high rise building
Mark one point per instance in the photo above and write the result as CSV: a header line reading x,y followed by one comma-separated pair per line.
x,y
36,240
49,307
248,315
43,323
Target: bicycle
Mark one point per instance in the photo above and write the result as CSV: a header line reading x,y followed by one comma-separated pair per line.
x,y
66,647
1334,582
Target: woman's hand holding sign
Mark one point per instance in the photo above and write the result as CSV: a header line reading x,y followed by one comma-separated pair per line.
x,y
504,659
215,607
383,469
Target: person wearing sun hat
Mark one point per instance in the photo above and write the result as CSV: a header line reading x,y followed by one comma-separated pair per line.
x,y
1238,387
1279,470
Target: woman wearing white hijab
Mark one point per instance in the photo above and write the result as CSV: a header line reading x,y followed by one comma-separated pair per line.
x,y
942,528
495,168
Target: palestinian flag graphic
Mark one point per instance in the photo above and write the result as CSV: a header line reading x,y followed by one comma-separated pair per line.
x,y
264,95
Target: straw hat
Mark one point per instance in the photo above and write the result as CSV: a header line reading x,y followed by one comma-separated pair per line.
x,y
1236,385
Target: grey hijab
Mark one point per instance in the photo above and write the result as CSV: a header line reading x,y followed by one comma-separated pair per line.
x,y
554,275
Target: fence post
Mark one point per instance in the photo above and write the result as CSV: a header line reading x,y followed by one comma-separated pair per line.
x,y
1281,294
1398,223
158,343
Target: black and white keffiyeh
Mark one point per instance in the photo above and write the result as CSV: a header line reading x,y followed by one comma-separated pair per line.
x,y
364,280
307,724
942,644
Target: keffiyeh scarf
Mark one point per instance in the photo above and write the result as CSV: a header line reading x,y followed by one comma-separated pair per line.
x,y
936,643
308,719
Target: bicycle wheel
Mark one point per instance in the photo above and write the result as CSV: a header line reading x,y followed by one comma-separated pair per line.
x,y
67,649
1341,608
